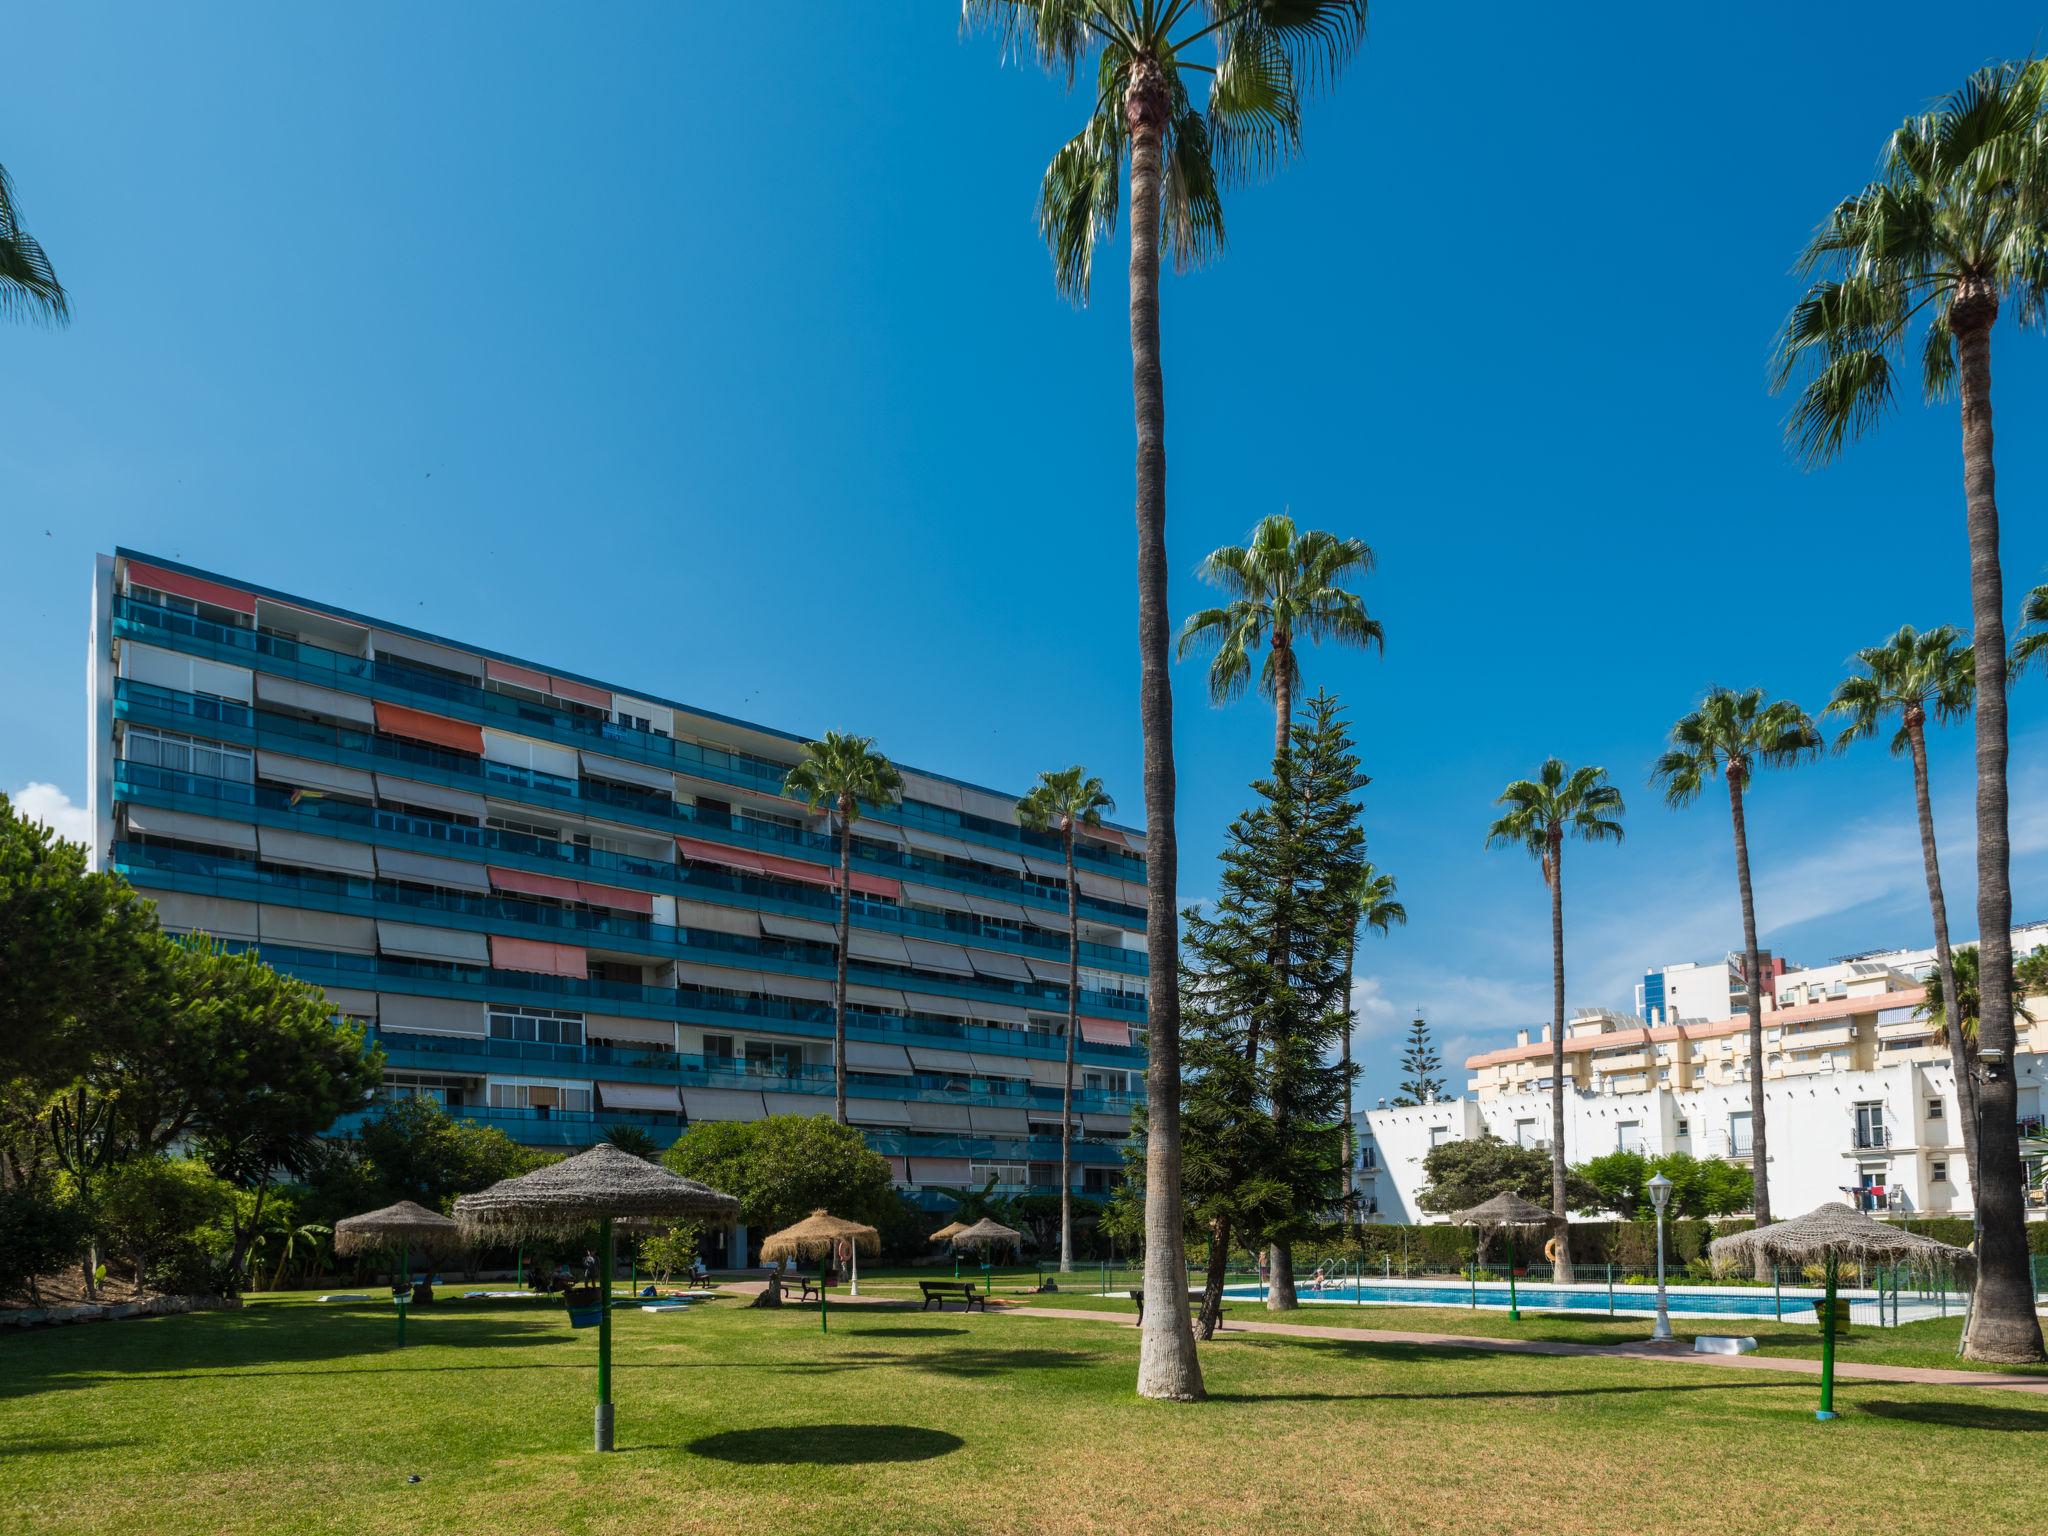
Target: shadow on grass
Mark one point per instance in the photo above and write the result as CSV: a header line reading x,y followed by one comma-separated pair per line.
x,y
1985,1415
60,1447
1506,1395
825,1445
905,1333
965,1363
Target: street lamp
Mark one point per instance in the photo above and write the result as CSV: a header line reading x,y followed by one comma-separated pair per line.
x,y
1660,1196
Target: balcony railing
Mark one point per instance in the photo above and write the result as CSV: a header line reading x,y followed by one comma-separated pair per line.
x,y
1870,1136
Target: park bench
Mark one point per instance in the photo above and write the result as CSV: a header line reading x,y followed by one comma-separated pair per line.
x,y
943,1290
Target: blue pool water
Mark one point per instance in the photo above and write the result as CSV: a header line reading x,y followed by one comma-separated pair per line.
x,y
1690,1299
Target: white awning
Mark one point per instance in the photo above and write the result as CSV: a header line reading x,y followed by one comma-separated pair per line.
x,y
988,1121
455,802
598,766
430,869
933,1058
309,852
418,942
187,828
1100,1124
650,1096
798,1103
1003,1013
604,1026
880,831
775,924
448,659
959,848
717,919
729,980
996,962
430,1015
1015,912
987,1065
867,1056
212,915
947,959
874,997
330,702
937,896
1048,970
351,1001
876,946
722,1104
1049,869
928,1115
862,1110
304,928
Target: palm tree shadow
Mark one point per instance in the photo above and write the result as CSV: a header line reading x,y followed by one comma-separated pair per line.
x,y
824,1445
1984,1415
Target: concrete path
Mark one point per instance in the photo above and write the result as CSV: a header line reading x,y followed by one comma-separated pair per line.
x,y
1660,1354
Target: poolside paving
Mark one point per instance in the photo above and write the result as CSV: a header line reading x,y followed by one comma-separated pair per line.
x,y
1657,1353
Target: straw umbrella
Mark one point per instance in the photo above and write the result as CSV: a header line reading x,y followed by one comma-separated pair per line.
x,y
1827,1236
984,1234
406,1226
1506,1212
949,1230
819,1233
602,1185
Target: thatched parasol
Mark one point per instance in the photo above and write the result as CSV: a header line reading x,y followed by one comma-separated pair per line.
x,y
601,1185
950,1229
1505,1212
817,1235
1826,1236
985,1234
404,1226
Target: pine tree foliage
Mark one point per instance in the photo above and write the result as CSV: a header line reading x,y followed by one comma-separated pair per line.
x,y
1419,1059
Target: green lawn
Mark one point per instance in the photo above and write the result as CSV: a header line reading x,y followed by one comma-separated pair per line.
x,y
289,1416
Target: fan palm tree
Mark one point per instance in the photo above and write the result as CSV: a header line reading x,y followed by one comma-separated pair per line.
x,y
1953,231
1962,983
1734,734
1282,585
1064,801
29,289
1178,158
1378,911
1908,676
1539,814
2033,636
836,777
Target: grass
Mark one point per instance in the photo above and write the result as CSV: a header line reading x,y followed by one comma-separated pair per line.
x,y
292,1416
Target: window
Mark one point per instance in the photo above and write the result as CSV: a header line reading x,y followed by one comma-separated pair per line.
x,y
1525,1133
1683,1127
1738,1135
1628,1136
718,1047
1938,1171
189,754
768,1058
1870,1129
1936,1110
543,1026
1439,1134
1368,1156
540,1096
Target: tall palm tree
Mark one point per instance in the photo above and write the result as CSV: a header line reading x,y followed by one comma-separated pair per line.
x,y
1909,675
1953,230
1540,814
1064,801
835,777
1734,734
29,289
1267,52
1378,910
1282,585
1962,984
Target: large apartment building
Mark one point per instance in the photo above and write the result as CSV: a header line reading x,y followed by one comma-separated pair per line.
x,y
561,906
1859,1094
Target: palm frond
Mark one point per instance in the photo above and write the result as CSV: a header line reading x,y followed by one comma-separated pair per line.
x,y
1079,198
1254,110
29,289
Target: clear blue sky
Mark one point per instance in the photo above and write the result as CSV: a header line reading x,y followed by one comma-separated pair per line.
x,y
712,348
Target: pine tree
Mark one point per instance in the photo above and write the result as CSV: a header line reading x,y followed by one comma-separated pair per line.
x,y
1262,1091
1419,1059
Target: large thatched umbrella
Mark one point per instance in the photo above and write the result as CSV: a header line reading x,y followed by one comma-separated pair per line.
x,y
816,1236
1827,1236
404,1226
602,1185
1505,1212
985,1234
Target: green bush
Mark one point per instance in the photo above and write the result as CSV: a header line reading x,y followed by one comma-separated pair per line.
x,y
40,1233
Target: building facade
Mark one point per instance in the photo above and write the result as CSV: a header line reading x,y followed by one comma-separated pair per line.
x,y
560,906
1859,1096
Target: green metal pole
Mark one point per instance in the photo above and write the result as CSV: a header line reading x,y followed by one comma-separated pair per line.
x,y
1473,1275
1827,1350
604,1337
823,1325
1514,1307
519,1266
405,1279
1610,1288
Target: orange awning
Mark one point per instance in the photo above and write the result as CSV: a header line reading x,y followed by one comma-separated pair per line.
x,y
417,724
580,693
519,677
785,869
534,885
191,586
1105,1032
616,897
532,955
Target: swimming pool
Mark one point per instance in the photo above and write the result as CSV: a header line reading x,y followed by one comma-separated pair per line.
x,y
1793,1305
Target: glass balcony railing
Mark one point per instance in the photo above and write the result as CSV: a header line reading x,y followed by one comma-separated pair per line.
x,y
148,703
152,623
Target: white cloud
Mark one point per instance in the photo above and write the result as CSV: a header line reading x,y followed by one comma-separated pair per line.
x,y
46,803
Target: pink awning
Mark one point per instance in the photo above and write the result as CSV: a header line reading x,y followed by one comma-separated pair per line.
x,y
532,955
580,693
190,586
518,677
535,885
899,1169
616,897
785,869
1105,1032
418,725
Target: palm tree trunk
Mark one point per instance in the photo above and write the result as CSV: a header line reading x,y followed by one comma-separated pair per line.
x,y
1167,1366
1211,1315
2003,1326
1350,1023
1561,1266
1759,1151
1280,1295
1958,1048
839,972
1067,1082
1283,693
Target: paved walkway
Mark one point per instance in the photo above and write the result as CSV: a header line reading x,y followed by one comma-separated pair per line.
x,y
1661,1354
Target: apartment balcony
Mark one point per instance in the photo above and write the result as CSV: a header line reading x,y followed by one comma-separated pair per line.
x,y
1820,1039
1870,1138
1621,1061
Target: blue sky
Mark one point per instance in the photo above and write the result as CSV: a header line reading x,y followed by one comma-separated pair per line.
x,y
712,349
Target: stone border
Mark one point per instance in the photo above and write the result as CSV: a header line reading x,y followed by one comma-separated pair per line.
x,y
156,1306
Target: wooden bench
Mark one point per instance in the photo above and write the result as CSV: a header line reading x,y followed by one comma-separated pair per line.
x,y
812,1290
941,1291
